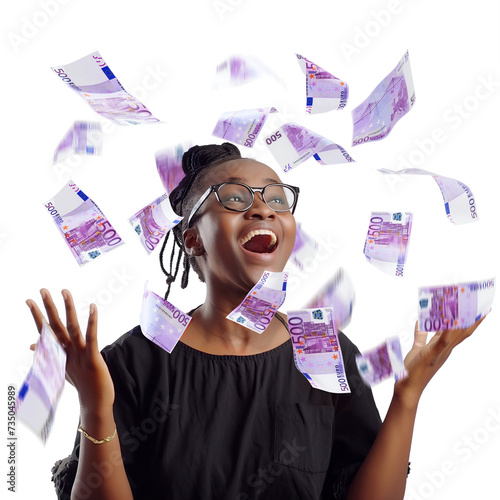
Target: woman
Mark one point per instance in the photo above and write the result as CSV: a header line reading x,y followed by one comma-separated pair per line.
x,y
227,415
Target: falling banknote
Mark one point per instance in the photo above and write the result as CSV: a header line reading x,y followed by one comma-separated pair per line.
x,y
262,302
162,322
382,362
386,244
324,91
154,221
94,81
392,98
305,247
83,138
37,399
459,202
242,127
86,230
293,144
316,348
454,306
169,166
338,294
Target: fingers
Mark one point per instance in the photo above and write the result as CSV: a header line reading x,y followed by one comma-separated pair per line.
x,y
72,320
36,313
54,320
420,338
91,334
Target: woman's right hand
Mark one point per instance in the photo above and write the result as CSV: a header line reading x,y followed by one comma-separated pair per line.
x,y
85,366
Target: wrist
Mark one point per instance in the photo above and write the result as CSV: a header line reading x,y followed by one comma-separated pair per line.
x,y
405,398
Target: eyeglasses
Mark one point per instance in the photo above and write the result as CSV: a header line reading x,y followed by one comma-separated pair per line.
x,y
239,197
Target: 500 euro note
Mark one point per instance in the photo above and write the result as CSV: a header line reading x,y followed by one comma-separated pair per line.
x,y
86,230
83,138
262,302
316,348
169,165
92,79
454,306
37,399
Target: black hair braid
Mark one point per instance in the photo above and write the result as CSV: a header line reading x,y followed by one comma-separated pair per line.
x,y
195,163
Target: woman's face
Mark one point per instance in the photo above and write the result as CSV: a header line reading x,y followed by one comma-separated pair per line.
x,y
238,246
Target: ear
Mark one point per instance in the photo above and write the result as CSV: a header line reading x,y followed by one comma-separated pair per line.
x,y
192,242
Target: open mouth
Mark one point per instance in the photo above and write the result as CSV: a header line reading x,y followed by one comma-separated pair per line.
x,y
260,241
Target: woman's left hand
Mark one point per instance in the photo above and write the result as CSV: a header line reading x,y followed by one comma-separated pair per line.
x,y
424,360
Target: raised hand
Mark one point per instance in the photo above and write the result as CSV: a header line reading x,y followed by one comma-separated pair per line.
x,y
85,366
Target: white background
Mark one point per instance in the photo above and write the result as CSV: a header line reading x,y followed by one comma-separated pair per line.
x,y
452,50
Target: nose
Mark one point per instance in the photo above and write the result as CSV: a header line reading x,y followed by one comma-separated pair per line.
x,y
260,209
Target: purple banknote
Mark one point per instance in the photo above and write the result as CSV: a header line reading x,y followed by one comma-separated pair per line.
x,y
454,306
83,138
86,230
169,165
92,79
382,362
316,348
38,396
305,248
392,98
262,302
386,243
324,91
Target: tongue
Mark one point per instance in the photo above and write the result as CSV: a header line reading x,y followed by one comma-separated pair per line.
x,y
259,243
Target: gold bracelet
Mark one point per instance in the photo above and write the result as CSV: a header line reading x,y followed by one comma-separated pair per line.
x,y
94,440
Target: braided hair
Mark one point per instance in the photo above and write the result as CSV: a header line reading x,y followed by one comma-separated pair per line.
x,y
195,164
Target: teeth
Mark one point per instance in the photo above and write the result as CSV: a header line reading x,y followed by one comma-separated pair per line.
x,y
251,234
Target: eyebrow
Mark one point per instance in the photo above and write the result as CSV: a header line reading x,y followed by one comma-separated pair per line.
x,y
239,179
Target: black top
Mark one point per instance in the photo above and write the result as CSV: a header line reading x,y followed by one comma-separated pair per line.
x,y
200,426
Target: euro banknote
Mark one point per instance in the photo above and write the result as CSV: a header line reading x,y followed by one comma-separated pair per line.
x,y
86,230
92,79
242,127
37,398
152,222
391,99
459,202
338,294
162,322
83,138
387,238
305,247
382,362
324,92
293,144
316,349
262,302
454,306
169,165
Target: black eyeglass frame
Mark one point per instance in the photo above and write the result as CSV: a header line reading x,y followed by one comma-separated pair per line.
x,y
215,188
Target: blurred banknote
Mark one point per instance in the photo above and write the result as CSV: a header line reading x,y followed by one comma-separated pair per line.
x,y
454,306
169,166
238,70
86,230
293,144
83,138
324,91
392,98
459,202
305,247
162,322
382,362
262,302
386,244
316,348
37,399
94,81
154,221
242,127
338,294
